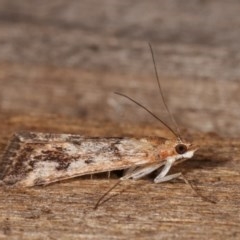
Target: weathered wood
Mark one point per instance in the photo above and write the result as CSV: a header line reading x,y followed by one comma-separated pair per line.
x,y
144,210
76,61
61,60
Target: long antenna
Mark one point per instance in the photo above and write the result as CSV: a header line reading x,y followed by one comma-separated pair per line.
x,y
151,113
100,200
162,95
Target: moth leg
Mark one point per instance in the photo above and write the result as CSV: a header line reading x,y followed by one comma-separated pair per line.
x,y
141,172
164,171
167,178
109,174
130,170
177,175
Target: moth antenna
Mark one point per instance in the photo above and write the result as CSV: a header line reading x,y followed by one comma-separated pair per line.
x,y
162,95
206,199
151,113
100,200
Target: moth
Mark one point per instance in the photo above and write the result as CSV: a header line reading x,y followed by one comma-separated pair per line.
x,y
43,158
34,158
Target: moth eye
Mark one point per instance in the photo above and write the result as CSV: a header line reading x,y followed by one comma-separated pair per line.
x,y
181,148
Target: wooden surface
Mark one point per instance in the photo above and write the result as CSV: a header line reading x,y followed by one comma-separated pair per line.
x,y
143,210
61,61
68,57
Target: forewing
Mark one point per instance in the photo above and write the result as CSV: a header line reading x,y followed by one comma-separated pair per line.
x,y
41,158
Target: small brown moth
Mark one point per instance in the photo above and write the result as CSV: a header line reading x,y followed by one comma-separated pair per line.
x,y
43,158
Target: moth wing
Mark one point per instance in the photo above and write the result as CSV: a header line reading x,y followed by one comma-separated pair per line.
x,y
41,158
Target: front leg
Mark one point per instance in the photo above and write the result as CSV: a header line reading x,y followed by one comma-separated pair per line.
x,y
160,179
139,172
177,175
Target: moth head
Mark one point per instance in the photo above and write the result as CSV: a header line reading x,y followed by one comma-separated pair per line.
x,y
184,150
177,150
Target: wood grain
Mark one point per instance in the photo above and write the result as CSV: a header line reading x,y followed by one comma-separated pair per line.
x,y
143,210
76,61
61,61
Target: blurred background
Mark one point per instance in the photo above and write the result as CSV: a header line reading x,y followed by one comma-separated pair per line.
x,y
66,58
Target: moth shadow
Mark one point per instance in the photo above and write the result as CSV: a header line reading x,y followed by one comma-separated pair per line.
x,y
116,174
